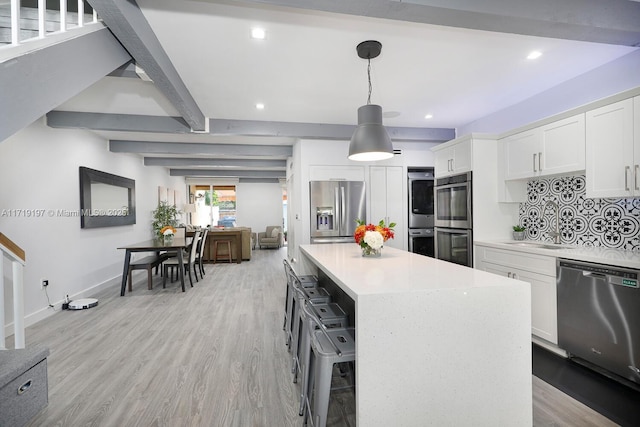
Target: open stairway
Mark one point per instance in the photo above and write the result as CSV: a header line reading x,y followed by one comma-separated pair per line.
x,y
29,22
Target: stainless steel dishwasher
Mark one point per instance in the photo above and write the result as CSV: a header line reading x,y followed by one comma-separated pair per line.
x,y
599,316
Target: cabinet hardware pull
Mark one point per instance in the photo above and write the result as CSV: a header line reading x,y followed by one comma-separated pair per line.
x,y
540,161
626,178
509,274
635,177
534,162
24,387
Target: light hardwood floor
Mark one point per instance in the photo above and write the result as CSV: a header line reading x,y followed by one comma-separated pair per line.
x,y
212,356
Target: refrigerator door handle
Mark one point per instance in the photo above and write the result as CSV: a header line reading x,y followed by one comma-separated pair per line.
x,y
343,202
338,209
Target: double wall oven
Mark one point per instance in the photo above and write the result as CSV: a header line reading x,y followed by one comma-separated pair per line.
x,y
453,219
421,233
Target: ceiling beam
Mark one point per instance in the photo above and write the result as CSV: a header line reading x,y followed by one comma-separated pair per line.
x,y
214,163
193,148
217,173
159,124
321,130
117,122
610,21
127,70
127,22
260,180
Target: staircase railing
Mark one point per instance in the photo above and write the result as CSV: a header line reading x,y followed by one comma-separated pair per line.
x,y
16,255
50,21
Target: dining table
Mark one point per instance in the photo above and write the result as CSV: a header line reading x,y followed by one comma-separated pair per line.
x,y
176,245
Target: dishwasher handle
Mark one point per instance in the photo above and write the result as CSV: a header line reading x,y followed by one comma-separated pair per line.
x,y
594,275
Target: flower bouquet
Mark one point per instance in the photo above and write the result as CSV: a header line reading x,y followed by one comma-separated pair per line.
x,y
167,232
371,237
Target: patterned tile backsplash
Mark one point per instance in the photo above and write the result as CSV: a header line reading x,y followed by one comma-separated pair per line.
x,y
611,223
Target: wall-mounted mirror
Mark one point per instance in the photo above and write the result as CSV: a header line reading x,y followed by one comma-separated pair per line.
x,y
106,200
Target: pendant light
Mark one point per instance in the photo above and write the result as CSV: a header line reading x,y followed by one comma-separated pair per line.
x,y
370,141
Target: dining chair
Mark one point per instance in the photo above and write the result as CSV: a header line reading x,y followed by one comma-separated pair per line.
x,y
188,264
200,255
180,233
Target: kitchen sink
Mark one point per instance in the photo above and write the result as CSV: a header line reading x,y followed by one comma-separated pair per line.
x,y
537,245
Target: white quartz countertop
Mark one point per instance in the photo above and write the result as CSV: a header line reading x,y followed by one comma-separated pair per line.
x,y
396,271
609,256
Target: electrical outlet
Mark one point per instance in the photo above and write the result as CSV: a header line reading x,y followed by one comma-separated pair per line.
x,y
44,283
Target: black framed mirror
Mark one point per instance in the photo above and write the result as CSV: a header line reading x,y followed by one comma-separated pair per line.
x,y
106,200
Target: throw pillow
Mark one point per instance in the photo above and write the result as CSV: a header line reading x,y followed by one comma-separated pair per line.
x,y
275,232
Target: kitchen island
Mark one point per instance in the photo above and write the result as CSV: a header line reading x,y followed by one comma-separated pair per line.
x,y
436,343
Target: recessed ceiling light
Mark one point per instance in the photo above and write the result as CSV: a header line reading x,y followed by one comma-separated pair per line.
x,y
258,33
534,54
259,106
429,116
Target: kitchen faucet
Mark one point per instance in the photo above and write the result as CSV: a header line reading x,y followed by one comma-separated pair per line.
x,y
555,234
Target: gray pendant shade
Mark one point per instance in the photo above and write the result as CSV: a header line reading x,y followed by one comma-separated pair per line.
x,y
370,141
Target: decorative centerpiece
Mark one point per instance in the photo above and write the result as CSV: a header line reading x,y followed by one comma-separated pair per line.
x,y
371,237
518,232
167,232
165,215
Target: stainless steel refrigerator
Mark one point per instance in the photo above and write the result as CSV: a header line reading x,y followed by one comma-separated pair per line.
x,y
335,206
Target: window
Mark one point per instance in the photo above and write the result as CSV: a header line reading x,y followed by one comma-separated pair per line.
x,y
215,205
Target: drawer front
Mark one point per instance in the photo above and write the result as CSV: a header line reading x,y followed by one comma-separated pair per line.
x,y
529,262
22,398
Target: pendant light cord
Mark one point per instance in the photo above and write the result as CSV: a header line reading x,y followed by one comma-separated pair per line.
x,y
369,77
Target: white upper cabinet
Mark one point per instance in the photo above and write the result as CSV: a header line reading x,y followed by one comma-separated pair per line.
x,y
452,159
552,149
563,146
613,150
521,154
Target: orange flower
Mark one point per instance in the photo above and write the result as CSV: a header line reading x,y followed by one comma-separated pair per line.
x,y
167,230
384,230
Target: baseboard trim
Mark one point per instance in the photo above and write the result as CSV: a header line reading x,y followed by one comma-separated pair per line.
x,y
549,346
46,312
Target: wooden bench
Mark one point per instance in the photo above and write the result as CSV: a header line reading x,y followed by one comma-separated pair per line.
x,y
146,263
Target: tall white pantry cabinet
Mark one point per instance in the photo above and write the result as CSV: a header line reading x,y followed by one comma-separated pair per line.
x,y
386,200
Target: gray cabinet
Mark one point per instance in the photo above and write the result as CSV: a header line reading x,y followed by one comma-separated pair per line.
x,y
23,385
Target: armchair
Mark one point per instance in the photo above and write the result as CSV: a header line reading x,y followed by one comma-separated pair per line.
x,y
271,238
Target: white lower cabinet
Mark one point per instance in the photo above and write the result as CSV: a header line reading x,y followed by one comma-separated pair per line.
x,y
540,272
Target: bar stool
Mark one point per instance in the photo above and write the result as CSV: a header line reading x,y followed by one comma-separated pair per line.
x,y
307,281
328,347
316,295
314,316
215,249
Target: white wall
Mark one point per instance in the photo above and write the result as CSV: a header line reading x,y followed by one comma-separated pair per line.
x,y
39,170
258,205
615,77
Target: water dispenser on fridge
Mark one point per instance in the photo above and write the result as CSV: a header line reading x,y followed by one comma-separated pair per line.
x,y
324,219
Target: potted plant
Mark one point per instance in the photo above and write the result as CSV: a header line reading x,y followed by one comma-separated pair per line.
x,y
518,232
164,215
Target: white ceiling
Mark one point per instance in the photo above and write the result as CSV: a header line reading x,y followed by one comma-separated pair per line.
x,y
307,69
